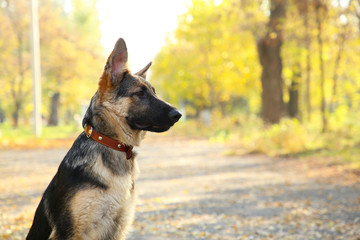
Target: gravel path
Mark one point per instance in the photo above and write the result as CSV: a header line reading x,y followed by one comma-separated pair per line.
x,y
190,189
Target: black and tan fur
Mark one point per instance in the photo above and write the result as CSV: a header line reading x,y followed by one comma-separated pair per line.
x,y
92,194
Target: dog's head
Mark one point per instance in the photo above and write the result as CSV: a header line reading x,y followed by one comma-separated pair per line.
x,y
126,103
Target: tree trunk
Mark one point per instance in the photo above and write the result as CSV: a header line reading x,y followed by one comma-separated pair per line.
x,y
293,105
340,51
2,114
54,119
308,61
318,8
16,88
269,48
17,85
334,101
15,114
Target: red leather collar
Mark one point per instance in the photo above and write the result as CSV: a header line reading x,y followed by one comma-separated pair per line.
x,y
109,142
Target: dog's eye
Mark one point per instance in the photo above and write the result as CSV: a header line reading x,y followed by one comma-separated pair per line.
x,y
139,93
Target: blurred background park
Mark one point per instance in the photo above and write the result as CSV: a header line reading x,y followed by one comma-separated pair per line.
x,y
269,143
279,77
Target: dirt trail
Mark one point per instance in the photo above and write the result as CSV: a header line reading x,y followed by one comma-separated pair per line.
x,y
189,189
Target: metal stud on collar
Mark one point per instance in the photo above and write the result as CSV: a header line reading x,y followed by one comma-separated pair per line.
x,y
100,138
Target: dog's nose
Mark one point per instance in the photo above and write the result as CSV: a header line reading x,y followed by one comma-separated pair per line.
x,y
174,115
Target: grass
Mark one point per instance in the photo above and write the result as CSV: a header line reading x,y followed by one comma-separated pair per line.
x,y
349,156
51,137
291,138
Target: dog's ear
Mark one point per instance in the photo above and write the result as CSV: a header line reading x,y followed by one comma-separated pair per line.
x,y
118,59
142,72
116,65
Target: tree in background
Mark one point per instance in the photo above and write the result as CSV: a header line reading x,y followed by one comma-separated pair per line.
x,y
269,48
320,11
307,55
70,55
304,9
218,59
15,57
209,62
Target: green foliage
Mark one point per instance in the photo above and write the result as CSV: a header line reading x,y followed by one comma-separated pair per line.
x,y
209,60
71,56
25,132
345,132
287,137
249,134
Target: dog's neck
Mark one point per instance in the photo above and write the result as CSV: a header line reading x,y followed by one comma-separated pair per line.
x,y
112,126
128,136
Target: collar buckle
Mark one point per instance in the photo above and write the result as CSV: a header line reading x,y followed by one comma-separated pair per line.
x,y
88,130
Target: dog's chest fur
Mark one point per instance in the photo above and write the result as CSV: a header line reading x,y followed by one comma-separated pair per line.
x,y
102,200
104,213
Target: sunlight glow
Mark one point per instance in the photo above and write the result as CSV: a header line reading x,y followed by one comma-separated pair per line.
x,y
217,2
67,6
143,25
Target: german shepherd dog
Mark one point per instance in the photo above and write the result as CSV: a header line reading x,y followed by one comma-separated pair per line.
x,y
92,195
